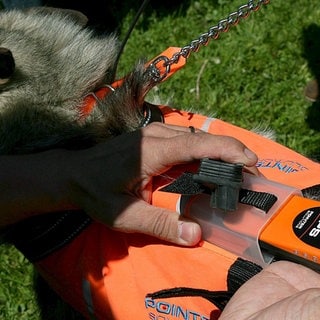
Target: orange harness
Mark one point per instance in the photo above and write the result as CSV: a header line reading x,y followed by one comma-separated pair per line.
x,y
106,274
90,101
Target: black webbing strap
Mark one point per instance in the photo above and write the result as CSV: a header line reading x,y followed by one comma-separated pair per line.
x,y
240,272
261,200
218,298
186,185
312,192
39,236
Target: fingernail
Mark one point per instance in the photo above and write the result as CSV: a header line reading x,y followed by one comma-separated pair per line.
x,y
189,232
250,154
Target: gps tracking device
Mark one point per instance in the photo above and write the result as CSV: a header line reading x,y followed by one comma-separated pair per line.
x,y
294,233
255,218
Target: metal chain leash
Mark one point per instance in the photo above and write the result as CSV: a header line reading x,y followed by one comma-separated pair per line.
x,y
214,32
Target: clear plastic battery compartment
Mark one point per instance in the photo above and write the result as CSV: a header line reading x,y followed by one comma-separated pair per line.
x,y
238,231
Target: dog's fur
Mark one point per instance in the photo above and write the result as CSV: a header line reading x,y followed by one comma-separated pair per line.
x,y
49,64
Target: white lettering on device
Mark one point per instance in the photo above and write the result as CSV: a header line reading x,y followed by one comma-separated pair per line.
x,y
315,231
304,219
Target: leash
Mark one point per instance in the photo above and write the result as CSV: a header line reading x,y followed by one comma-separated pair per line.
x,y
128,33
173,58
161,66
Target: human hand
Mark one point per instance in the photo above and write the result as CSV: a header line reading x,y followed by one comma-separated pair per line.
x,y
283,290
111,181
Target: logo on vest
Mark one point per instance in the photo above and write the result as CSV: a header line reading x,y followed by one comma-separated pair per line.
x,y
285,166
163,310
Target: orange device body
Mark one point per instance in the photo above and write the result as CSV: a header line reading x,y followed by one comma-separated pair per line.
x,y
294,233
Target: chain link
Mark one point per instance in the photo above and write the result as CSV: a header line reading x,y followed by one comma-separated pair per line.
x,y
214,32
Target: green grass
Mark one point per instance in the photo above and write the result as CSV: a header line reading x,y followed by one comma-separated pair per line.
x,y
17,299
254,74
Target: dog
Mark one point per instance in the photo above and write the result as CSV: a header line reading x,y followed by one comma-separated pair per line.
x,y
40,90
42,94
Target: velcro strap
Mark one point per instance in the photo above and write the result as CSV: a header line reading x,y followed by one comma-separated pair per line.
x,y
240,272
186,185
312,192
261,200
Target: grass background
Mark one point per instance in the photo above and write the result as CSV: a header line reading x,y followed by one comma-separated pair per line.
x,y
253,75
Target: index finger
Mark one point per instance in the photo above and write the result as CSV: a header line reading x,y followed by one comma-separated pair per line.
x,y
189,147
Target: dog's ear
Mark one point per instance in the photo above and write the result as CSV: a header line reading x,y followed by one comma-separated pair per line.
x,y
7,65
75,15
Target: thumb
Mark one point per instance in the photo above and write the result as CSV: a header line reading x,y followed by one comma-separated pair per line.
x,y
161,223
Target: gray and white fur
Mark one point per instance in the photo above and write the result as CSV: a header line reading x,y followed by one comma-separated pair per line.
x,y
49,63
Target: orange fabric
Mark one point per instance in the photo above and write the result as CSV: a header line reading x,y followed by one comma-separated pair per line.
x,y
123,268
276,162
90,101
169,53
108,274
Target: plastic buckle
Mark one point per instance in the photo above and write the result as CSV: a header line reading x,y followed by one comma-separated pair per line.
x,y
224,181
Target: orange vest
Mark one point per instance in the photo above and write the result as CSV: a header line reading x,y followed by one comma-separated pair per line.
x,y
106,274
276,162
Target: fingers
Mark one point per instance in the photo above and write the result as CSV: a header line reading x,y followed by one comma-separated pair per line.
x,y
276,289
298,276
141,217
119,199
253,170
188,147
300,305
160,130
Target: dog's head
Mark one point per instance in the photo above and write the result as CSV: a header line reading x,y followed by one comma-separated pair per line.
x,y
48,53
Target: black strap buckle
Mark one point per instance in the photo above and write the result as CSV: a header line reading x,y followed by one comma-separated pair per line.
x,y
224,182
